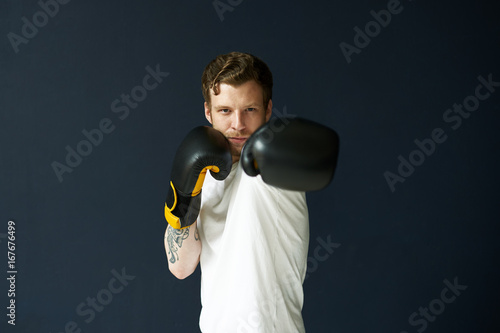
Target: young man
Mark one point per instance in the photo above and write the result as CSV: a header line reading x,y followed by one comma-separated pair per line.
x,y
250,238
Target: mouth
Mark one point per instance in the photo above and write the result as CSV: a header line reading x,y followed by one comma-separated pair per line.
x,y
237,140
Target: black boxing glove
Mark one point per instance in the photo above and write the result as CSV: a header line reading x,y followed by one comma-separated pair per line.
x,y
292,153
204,148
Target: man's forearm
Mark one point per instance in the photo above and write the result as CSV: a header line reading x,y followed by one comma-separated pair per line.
x,y
183,248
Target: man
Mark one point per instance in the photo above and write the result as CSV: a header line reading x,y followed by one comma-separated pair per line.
x,y
250,238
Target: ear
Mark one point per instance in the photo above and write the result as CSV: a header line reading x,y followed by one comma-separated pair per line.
x,y
208,114
269,110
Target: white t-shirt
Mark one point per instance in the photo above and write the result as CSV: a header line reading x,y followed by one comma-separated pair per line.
x,y
254,255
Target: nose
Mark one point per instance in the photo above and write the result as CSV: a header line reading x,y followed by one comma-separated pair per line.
x,y
238,123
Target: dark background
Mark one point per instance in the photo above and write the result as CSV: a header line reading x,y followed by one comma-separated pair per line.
x,y
394,248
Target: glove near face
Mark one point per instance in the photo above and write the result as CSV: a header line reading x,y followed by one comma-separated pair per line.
x,y
292,153
203,149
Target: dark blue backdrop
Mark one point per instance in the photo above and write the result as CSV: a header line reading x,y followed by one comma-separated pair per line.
x,y
87,135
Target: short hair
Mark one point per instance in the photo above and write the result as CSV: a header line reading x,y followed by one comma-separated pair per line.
x,y
236,68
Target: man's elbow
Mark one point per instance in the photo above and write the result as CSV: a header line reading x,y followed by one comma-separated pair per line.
x,y
180,272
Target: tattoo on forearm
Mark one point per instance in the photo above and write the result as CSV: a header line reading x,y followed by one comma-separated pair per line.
x,y
196,235
175,237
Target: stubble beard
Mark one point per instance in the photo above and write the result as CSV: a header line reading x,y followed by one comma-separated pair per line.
x,y
236,152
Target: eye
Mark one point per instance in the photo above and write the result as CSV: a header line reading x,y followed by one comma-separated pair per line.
x,y
251,109
224,110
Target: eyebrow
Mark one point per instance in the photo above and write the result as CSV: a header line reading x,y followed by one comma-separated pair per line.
x,y
254,105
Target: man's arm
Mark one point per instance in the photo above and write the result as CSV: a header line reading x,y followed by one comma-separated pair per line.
x,y
203,149
183,248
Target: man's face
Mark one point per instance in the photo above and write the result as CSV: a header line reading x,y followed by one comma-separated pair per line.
x,y
237,112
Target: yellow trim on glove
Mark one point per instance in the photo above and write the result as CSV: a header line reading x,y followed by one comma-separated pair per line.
x,y
173,220
201,179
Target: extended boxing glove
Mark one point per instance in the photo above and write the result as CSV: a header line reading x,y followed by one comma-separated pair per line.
x,y
204,148
292,153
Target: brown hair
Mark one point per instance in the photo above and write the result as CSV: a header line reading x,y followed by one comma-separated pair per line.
x,y
236,68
